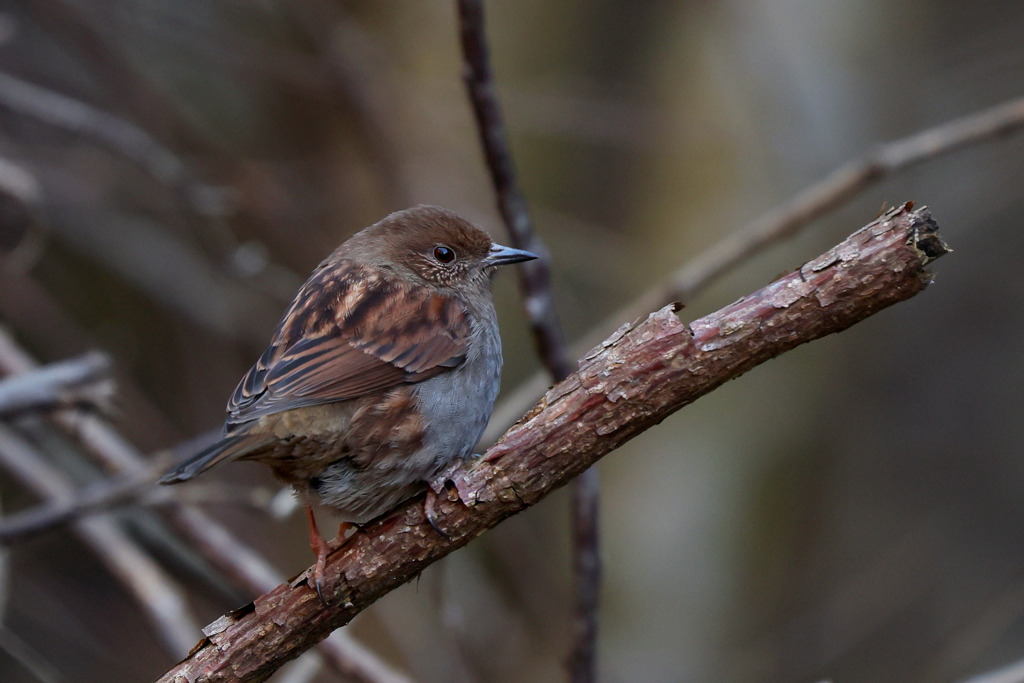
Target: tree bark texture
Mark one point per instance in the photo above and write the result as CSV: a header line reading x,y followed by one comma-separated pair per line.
x,y
635,379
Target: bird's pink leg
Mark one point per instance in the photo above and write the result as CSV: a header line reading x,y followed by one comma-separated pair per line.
x,y
340,539
320,548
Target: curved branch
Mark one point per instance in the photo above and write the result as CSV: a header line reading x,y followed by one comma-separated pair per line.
x,y
633,380
783,222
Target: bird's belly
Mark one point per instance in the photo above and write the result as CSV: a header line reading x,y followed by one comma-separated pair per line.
x,y
456,407
406,439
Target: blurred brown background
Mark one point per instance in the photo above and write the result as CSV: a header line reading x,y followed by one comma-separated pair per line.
x,y
853,510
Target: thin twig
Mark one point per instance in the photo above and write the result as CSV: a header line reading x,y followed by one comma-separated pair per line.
x,y
155,591
55,512
11,643
782,223
539,302
5,576
82,382
837,189
135,488
27,656
302,670
116,134
534,276
244,565
629,383
586,569
1011,673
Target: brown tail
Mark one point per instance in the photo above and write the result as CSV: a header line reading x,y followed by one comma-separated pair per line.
x,y
228,448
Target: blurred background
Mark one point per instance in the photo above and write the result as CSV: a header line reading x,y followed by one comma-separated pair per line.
x,y
854,511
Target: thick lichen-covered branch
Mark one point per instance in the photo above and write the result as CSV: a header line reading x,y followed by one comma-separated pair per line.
x,y
633,380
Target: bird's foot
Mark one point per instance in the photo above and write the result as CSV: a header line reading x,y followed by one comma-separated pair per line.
x,y
430,514
444,480
320,548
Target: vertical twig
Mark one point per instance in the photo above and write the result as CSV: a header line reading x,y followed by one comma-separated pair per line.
x,y
586,567
535,285
534,276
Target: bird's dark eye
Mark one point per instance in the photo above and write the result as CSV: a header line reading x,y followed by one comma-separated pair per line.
x,y
444,254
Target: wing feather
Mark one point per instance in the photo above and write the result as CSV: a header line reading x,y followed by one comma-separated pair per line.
x,y
352,330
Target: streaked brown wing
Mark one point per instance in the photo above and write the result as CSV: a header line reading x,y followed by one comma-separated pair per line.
x,y
351,331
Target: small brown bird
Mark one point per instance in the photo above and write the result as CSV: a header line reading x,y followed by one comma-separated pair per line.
x,y
382,372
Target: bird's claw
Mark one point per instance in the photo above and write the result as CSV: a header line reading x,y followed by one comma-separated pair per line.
x,y
321,548
428,512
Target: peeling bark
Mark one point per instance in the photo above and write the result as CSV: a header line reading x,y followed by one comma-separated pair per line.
x,y
633,380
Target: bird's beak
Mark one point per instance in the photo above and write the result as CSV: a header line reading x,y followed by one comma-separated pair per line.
x,y
502,256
